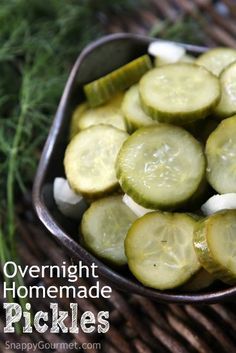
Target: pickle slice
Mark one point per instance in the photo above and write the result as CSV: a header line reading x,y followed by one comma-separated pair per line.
x,y
101,90
184,59
221,157
214,242
81,108
134,113
104,227
90,160
179,93
200,280
159,249
227,104
109,114
187,58
215,60
160,166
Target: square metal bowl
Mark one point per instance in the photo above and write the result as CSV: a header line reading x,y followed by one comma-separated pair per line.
x,y
96,60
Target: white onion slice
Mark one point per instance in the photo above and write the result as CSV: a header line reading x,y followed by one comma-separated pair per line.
x,y
136,208
167,52
68,202
219,202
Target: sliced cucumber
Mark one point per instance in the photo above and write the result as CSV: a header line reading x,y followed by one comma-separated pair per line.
x,y
184,59
102,115
215,60
160,166
133,112
221,157
195,216
227,104
218,203
159,249
200,280
187,58
101,90
179,93
80,109
90,160
214,242
109,114
104,227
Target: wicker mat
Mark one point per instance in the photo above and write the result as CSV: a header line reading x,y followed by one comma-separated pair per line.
x,y
137,324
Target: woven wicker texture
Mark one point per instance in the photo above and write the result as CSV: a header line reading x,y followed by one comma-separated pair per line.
x,y
138,324
215,18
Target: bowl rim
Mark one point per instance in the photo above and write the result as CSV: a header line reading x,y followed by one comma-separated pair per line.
x,y
75,249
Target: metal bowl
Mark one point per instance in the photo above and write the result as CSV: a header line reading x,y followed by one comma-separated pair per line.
x,y
96,60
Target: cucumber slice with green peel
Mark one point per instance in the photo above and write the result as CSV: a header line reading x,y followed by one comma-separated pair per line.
x,y
101,90
217,59
117,100
104,227
160,166
187,58
179,93
108,114
102,115
214,242
133,112
221,157
184,59
227,104
159,249
81,108
200,280
195,216
90,160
